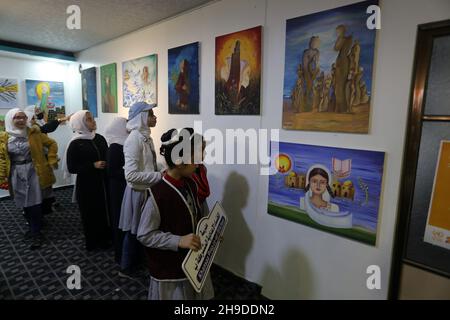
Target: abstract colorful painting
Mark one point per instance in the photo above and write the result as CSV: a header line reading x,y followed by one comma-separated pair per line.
x,y
140,78
2,123
48,96
238,73
89,90
108,76
328,70
8,93
331,189
184,79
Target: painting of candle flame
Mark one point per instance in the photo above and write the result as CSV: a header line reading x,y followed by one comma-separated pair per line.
x,y
238,73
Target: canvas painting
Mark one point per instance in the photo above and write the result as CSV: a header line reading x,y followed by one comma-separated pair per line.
x,y
184,79
48,96
108,75
8,93
140,80
331,189
238,73
328,70
2,123
89,90
437,229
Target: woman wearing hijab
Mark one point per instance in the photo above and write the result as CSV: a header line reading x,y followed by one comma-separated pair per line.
x,y
86,157
141,172
116,134
48,197
24,168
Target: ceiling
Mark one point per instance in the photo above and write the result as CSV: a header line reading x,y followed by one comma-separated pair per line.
x,y
42,23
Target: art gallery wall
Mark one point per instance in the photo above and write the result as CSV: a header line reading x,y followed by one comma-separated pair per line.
x,y
289,260
23,67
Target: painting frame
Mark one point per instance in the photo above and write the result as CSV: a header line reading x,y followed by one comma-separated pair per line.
x,y
329,70
140,80
9,90
48,96
108,80
89,90
347,204
238,72
184,79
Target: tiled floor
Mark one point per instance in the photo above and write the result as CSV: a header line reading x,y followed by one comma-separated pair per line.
x,y
41,274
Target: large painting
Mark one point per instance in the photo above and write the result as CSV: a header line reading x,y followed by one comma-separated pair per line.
x,y
140,80
8,93
89,90
48,96
238,73
331,189
328,70
184,79
108,75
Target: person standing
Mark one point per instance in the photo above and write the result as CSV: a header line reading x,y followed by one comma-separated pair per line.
x,y
116,134
24,168
86,157
141,172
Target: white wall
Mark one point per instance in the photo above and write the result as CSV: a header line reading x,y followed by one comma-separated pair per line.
x,y
23,67
289,260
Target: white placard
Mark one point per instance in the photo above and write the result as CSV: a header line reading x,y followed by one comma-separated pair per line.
x,y
210,229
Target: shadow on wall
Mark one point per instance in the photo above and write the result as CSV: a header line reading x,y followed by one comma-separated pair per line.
x,y
238,239
293,281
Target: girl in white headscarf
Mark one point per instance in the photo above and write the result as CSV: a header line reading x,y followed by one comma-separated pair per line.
x,y
141,172
86,157
25,169
116,133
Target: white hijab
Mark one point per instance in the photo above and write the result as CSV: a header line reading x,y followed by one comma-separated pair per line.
x,y
10,128
81,131
140,123
117,132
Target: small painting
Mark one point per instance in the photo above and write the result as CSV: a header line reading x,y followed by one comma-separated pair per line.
x,y
184,79
108,74
8,93
47,96
89,90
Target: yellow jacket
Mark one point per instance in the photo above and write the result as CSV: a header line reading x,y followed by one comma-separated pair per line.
x,y
43,167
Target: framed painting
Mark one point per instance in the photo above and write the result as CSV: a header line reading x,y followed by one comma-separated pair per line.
x,y
89,90
238,73
8,93
48,96
140,78
335,190
184,79
108,75
328,70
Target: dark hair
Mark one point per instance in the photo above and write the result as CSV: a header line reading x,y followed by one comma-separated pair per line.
x,y
166,149
322,173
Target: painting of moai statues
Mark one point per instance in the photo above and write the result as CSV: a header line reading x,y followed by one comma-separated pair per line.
x,y
328,70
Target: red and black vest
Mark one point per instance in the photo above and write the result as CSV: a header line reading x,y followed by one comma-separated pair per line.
x,y
177,219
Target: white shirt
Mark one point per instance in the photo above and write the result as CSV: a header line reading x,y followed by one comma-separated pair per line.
x,y
140,172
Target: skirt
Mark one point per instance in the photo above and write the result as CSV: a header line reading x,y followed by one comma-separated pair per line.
x,y
179,290
131,210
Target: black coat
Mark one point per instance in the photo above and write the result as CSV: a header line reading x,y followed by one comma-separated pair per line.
x,y
117,184
91,189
